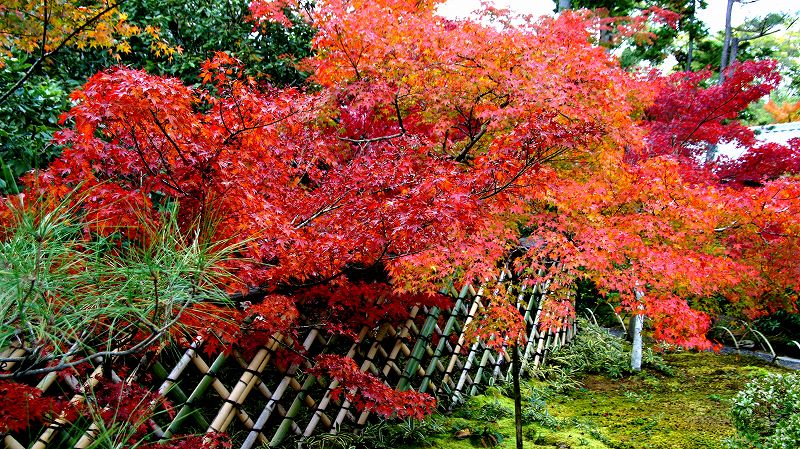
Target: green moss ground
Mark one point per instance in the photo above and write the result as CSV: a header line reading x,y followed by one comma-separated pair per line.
x,y
649,410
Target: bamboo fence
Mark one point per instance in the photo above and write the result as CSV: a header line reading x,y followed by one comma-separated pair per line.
x,y
259,402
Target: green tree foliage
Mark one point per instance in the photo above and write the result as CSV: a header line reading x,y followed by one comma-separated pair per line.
x,y
662,40
772,36
200,28
29,116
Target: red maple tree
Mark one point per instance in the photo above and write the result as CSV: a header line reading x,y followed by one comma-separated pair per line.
x,y
426,149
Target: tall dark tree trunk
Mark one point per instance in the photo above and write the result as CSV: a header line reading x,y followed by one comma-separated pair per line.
x,y
516,368
734,51
692,35
726,44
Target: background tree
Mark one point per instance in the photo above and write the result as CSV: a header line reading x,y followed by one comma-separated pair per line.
x,y
653,39
269,51
43,29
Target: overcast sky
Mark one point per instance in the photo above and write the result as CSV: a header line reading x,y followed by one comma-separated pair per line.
x,y
713,15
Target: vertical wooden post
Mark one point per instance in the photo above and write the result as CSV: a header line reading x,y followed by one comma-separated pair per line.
x,y
517,394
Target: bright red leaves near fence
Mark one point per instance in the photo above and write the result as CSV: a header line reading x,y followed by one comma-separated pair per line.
x,y
20,405
366,392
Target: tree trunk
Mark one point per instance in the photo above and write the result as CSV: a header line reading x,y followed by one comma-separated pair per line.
x,y
636,330
734,51
726,44
564,4
692,35
517,395
636,353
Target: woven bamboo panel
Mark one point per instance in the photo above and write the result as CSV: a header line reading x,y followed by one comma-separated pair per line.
x,y
261,402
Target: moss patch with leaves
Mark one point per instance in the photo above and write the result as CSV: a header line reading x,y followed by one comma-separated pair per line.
x,y
648,410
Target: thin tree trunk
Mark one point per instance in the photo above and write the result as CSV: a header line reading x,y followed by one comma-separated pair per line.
x,y
517,395
727,42
636,325
636,353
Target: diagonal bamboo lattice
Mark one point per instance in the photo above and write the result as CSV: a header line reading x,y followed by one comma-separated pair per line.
x,y
261,403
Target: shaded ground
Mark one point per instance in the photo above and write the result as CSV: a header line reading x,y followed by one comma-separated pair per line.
x,y
686,411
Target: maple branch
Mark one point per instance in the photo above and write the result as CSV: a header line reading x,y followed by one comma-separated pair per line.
x,y
48,54
244,129
389,137
444,141
372,139
734,224
45,21
169,138
712,115
322,211
161,157
346,52
472,141
517,175
539,159
140,153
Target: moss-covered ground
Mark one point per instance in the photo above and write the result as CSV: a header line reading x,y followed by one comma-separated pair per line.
x,y
648,410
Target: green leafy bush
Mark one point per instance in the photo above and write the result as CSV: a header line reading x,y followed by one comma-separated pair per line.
x,y
595,351
29,117
480,409
766,413
535,411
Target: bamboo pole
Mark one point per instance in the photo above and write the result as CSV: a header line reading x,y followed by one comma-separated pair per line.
x,y
419,347
11,443
171,378
445,333
462,339
479,373
462,379
243,387
174,390
288,420
11,353
197,393
272,405
88,437
53,428
224,393
90,434
365,365
273,402
343,410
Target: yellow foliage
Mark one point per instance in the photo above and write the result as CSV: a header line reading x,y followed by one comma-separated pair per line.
x,y
783,113
33,26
